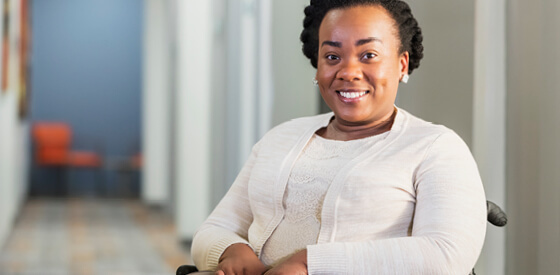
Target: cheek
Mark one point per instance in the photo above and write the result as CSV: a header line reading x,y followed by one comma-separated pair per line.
x,y
324,74
377,75
384,75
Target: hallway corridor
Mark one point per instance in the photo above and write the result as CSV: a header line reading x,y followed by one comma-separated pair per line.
x,y
86,236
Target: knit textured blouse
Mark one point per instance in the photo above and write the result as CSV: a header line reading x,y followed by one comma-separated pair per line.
x,y
411,203
311,176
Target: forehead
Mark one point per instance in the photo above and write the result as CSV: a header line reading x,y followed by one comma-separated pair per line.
x,y
357,23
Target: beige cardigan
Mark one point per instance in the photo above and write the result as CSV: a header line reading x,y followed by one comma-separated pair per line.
x,y
413,203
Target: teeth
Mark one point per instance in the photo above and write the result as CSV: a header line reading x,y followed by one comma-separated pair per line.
x,y
352,94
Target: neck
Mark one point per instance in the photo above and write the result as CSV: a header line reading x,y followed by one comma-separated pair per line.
x,y
341,130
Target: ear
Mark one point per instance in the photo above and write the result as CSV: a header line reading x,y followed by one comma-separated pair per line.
x,y
403,62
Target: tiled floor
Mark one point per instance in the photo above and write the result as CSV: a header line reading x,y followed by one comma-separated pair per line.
x,y
81,236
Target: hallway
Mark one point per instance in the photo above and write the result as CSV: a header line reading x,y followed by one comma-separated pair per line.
x,y
86,236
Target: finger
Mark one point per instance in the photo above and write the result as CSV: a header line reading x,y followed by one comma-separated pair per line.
x,y
226,271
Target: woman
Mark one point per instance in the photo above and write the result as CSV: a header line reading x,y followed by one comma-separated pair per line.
x,y
367,189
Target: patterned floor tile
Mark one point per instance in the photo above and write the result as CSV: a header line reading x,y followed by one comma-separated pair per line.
x,y
86,236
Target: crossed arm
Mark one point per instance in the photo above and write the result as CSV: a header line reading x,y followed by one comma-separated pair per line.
x,y
240,259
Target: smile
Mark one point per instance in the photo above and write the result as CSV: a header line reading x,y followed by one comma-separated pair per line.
x,y
351,95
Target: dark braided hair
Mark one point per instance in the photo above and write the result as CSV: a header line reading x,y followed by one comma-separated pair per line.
x,y
410,33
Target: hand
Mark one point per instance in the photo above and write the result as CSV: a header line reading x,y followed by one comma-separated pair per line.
x,y
240,259
295,265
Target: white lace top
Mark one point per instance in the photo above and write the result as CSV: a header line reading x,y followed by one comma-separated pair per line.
x,y
308,183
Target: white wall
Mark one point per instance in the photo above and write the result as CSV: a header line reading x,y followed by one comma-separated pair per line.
x,y
489,117
13,162
193,123
533,150
157,104
13,141
247,101
441,90
294,93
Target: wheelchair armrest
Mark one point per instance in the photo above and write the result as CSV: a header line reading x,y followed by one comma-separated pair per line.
x,y
186,269
496,215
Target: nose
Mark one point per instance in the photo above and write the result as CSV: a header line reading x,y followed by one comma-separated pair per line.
x,y
350,71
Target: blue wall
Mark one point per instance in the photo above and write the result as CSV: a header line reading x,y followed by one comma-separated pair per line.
x,y
86,70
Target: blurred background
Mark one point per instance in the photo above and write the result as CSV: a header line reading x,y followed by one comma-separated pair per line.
x,y
122,123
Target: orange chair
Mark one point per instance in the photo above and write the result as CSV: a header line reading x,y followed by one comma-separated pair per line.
x,y
52,148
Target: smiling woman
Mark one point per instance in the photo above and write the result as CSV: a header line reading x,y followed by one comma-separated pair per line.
x,y
366,189
358,70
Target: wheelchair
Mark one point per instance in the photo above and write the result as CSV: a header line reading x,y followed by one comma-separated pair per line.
x,y
495,215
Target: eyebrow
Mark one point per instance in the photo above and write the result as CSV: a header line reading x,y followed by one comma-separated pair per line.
x,y
332,43
368,40
358,43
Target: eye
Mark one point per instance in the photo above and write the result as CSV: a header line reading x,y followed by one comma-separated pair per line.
x,y
332,57
369,55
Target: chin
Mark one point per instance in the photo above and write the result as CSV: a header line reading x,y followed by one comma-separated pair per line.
x,y
352,117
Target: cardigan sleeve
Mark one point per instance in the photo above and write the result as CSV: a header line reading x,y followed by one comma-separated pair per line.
x,y
448,227
227,224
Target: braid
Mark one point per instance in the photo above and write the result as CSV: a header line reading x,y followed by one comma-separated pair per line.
x,y
310,34
410,33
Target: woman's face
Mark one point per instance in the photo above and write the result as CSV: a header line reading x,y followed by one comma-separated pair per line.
x,y
359,66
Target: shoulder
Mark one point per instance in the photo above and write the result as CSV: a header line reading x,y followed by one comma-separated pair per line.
x,y
416,125
417,128
418,132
